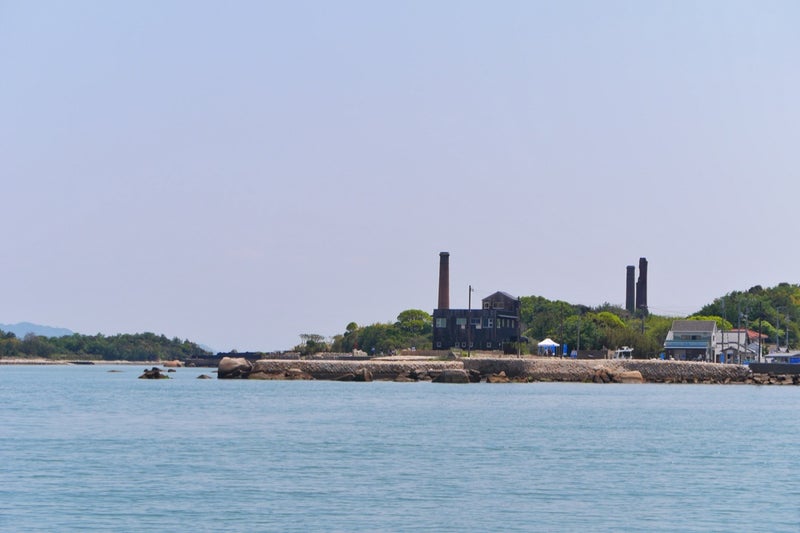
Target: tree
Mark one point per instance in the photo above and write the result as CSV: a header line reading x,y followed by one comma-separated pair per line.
x,y
414,322
608,320
382,338
311,343
36,346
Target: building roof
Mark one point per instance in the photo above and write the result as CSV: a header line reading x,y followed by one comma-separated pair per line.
x,y
694,325
750,333
501,293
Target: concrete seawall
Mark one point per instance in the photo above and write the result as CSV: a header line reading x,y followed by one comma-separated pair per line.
x,y
589,370
489,369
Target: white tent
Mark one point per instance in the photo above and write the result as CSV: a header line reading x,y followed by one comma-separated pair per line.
x,y
547,346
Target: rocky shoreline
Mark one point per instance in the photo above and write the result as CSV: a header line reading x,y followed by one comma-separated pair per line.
x,y
500,370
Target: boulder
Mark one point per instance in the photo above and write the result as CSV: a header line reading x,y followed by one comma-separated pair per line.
x,y
629,376
451,375
296,373
172,364
601,375
498,378
257,374
204,376
474,376
418,375
153,373
233,368
362,374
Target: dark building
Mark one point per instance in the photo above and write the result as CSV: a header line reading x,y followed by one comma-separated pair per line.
x,y
489,327
630,289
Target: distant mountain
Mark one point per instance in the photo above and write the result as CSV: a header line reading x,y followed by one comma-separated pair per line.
x,y
23,328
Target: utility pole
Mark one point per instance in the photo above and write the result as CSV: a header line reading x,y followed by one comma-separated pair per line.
x,y
746,316
739,333
469,322
724,318
786,327
519,328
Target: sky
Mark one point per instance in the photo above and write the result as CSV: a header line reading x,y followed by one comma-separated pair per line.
x,y
240,173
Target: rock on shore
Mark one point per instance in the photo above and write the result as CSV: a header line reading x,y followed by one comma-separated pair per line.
x,y
493,370
240,368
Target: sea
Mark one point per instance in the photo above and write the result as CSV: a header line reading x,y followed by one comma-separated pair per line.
x,y
93,448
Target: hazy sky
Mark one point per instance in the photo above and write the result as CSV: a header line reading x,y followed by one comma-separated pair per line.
x,y
238,173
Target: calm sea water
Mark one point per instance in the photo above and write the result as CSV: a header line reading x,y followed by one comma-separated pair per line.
x,y
85,449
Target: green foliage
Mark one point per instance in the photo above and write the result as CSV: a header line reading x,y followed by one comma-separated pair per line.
x,y
311,343
776,308
138,347
722,324
413,327
608,320
544,318
414,322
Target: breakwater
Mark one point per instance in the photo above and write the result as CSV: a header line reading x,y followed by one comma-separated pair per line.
x,y
496,370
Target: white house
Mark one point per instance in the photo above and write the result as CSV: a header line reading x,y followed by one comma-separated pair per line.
x,y
693,340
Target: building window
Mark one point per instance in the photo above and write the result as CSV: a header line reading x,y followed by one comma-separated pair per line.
x,y
475,321
486,305
489,322
441,322
488,344
461,322
438,344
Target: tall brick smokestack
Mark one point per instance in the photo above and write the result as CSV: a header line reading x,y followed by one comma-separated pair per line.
x,y
641,286
444,280
630,289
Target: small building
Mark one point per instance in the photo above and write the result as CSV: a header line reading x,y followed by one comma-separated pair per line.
x,y
692,340
739,345
490,327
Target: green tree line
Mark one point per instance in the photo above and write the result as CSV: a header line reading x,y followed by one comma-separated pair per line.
x,y
123,347
413,328
774,311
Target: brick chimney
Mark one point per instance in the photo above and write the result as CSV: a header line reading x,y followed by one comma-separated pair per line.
x,y
444,280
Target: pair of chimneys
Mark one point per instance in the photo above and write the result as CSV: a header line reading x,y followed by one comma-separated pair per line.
x,y
636,295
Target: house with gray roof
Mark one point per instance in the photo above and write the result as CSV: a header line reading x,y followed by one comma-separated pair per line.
x,y
692,340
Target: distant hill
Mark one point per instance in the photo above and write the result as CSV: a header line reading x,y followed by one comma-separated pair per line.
x,y
23,328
